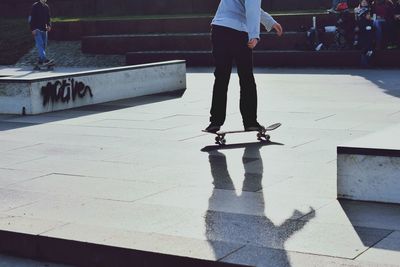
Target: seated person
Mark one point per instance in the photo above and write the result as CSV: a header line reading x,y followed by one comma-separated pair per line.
x,y
363,4
365,35
359,12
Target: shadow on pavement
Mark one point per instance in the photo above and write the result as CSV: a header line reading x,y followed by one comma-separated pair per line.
x,y
10,122
376,217
239,145
254,230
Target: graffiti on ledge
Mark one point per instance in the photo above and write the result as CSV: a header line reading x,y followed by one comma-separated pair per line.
x,y
64,90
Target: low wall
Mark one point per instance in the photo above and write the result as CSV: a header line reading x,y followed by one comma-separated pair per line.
x,y
75,30
59,92
274,58
369,168
68,8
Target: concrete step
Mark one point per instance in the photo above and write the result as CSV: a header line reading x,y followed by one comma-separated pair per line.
x,y
264,58
121,44
85,253
193,58
369,167
84,8
75,30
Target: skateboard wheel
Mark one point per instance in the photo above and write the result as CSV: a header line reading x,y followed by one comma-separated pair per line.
x,y
223,141
263,137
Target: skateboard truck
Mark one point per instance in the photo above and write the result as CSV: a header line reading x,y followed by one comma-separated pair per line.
x,y
220,138
261,135
49,65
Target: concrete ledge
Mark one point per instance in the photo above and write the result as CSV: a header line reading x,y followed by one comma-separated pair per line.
x,y
122,44
75,30
272,58
325,58
369,168
89,254
192,58
50,91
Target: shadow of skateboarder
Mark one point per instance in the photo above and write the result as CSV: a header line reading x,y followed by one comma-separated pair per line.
x,y
247,227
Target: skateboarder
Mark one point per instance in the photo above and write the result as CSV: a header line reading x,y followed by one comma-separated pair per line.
x,y
40,24
235,33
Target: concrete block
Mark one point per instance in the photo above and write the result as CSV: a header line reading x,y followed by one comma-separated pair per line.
x,y
47,93
369,168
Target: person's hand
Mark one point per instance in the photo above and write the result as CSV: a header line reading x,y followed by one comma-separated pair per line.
x,y
252,43
278,28
48,28
34,32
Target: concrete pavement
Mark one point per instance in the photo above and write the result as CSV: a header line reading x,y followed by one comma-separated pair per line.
x,y
139,174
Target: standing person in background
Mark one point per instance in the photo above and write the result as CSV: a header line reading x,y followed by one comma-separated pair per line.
x,y
40,24
235,33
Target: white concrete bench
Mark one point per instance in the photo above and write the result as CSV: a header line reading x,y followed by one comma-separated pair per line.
x,y
35,93
369,167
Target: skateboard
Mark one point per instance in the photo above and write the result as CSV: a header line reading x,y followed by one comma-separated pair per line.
x,y
46,66
261,135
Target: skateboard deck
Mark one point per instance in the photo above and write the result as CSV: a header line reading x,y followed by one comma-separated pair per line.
x,y
261,135
47,66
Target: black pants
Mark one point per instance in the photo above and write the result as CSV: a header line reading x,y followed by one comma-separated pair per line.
x,y
230,45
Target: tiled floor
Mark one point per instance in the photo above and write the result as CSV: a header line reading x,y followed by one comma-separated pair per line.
x,y
143,171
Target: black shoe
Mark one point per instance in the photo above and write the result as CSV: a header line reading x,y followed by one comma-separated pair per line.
x,y
256,127
213,128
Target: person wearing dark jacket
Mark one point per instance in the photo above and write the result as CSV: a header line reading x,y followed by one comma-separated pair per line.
x,y
366,35
40,24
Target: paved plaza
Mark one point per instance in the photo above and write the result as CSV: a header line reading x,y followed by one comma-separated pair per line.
x,y
140,174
